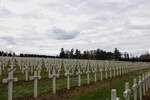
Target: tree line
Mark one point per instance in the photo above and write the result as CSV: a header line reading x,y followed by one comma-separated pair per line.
x,y
92,54
97,54
10,54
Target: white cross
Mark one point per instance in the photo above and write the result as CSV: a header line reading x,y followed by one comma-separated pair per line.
x,y
140,87
0,69
120,70
49,73
114,69
127,92
117,70
47,66
88,76
106,74
10,81
143,81
134,87
110,72
79,77
54,81
67,74
95,74
114,95
146,82
39,70
26,72
58,73
31,69
3,66
35,78
101,72
72,71
11,69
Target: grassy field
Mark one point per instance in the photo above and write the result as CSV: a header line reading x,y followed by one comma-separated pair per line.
x,y
104,93
44,86
22,88
26,88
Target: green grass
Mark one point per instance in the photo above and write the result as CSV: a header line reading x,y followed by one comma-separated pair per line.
x,y
104,93
26,89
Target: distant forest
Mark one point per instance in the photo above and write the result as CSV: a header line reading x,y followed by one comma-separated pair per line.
x,y
97,54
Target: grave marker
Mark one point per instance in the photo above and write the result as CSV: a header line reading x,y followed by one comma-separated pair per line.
x,y
140,88
127,92
114,95
10,81
35,78
135,89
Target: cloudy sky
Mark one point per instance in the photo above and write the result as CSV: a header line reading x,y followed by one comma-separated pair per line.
x,y
45,26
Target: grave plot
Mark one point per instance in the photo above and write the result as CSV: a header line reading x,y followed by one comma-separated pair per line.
x,y
126,88
32,78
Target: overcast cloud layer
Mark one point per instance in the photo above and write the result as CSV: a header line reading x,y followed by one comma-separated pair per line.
x,y
45,26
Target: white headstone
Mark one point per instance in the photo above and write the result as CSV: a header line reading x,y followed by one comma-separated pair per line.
x,y
127,92
110,71
10,81
54,81
88,76
106,74
79,77
67,74
146,82
49,73
35,78
143,83
114,95
95,74
140,88
101,72
26,72
135,89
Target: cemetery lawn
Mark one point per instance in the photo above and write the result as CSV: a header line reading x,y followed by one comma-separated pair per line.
x,y
147,97
25,89
104,93
22,88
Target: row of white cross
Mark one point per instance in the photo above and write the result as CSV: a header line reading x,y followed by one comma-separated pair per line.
x,y
143,85
112,72
36,76
26,64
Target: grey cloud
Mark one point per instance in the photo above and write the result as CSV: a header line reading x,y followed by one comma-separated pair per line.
x,y
139,27
9,40
31,15
4,13
20,1
104,28
61,34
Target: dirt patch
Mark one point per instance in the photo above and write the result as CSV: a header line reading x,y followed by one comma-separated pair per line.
x,y
65,94
147,97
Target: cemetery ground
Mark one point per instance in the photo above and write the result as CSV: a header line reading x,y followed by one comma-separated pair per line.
x,y
95,91
147,97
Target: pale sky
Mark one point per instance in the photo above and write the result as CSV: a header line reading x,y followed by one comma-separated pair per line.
x,y
45,26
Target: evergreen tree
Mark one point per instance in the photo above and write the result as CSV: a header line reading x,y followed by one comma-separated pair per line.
x,y
72,53
62,53
117,54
